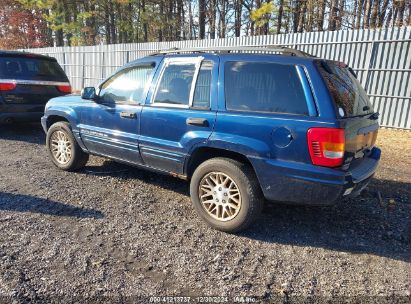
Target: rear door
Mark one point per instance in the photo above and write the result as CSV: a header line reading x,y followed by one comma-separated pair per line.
x,y
354,110
28,82
181,112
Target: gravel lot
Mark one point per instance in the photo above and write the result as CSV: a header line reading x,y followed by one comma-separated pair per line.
x,y
121,234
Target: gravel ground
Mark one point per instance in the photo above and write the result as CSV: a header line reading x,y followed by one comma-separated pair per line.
x,y
119,234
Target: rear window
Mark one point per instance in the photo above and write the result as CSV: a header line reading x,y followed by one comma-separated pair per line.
x,y
348,95
25,68
264,87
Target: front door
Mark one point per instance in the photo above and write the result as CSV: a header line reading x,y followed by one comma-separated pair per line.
x,y
110,126
180,111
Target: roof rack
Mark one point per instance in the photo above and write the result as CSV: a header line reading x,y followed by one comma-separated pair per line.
x,y
236,49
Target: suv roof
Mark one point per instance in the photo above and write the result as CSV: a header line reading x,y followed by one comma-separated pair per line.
x,y
4,53
238,49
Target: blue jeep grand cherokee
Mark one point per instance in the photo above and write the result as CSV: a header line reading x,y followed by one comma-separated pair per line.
x,y
240,126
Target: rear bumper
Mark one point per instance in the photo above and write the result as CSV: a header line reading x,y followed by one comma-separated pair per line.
x,y
313,185
20,117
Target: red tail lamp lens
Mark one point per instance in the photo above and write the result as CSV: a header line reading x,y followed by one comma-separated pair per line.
x,y
326,146
64,88
7,86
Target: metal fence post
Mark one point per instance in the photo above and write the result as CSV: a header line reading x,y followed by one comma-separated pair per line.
x,y
102,65
370,61
64,61
84,70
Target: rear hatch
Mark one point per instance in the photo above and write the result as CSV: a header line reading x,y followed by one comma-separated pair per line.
x,y
30,81
354,110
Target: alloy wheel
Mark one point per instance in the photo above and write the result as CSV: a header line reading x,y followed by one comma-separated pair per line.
x,y
220,196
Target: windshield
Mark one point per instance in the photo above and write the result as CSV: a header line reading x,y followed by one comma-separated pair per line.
x,y
348,95
26,68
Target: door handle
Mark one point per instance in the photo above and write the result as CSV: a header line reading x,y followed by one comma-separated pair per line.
x,y
128,115
200,122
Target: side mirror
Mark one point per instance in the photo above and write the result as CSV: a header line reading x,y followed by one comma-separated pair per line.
x,y
89,93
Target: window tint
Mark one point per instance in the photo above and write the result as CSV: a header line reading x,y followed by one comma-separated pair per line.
x,y
175,84
264,87
346,91
126,86
23,68
203,86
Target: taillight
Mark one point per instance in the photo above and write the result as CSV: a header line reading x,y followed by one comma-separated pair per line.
x,y
326,146
7,86
64,88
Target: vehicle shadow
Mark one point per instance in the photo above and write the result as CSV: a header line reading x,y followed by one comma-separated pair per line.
x,y
371,223
126,172
27,203
26,132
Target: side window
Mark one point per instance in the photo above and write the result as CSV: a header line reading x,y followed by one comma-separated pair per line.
x,y
264,87
126,86
203,86
10,68
175,84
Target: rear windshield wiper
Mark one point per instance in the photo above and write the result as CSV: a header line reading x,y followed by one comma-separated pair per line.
x,y
374,116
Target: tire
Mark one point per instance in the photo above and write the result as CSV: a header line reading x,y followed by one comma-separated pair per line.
x,y
241,177
60,134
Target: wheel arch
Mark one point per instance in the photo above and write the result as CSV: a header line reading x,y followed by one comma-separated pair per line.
x,y
201,154
52,119
53,116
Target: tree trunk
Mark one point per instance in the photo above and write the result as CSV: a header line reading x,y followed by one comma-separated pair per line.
x,y
359,13
201,18
354,14
238,9
296,16
66,13
409,13
190,20
222,23
310,16
118,19
394,15
341,13
280,16
374,14
389,17
333,15
179,28
381,15
401,10
160,29
145,25
301,21
112,22
367,13
321,13
212,17
107,23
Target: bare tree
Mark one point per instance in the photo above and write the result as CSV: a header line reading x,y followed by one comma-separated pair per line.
x,y
382,13
321,15
201,18
333,15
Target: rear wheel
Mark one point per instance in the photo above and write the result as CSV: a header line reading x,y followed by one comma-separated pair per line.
x,y
226,194
63,148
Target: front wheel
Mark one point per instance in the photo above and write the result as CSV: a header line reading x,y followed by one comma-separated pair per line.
x,y
63,148
226,194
